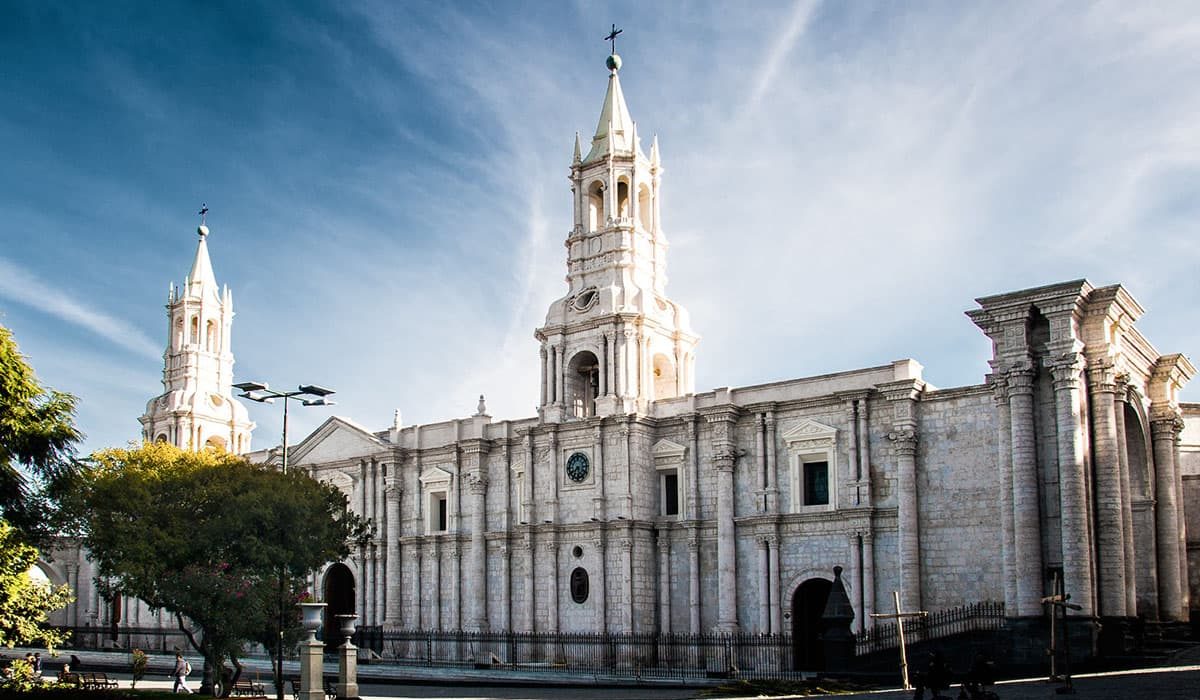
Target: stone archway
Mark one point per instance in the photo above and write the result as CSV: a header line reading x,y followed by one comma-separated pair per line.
x,y
808,605
339,600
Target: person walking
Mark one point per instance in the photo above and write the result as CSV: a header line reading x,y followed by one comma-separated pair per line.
x,y
180,672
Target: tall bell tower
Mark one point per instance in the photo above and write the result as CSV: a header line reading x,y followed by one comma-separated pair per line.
x,y
615,342
197,409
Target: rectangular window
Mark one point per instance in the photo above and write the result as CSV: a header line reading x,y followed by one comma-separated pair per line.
x,y
670,493
441,512
816,483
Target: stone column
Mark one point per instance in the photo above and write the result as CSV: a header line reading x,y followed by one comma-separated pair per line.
x,y
693,470
610,363
456,605
633,386
418,554
1073,493
601,584
436,561
854,575
694,584
542,354
627,582
1004,461
551,587
1131,576
1027,532
722,425
602,370
622,361
1163,422
394,568
868,558
560,376
772,473
1110,542
760,446
864,452
477,484
369,578
775,583
72,571
902,396
530,559
505,596
664,583
764,587
855,467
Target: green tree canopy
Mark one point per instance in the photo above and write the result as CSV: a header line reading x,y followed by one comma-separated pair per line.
x,y
37,439
24,602
208,536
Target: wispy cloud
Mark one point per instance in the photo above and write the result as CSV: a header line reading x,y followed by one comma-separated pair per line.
x,y
793,29
20,286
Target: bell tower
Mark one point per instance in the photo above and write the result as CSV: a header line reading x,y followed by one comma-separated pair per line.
x,y
197,409
615,342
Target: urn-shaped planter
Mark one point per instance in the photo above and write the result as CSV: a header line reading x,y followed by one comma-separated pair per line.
x,y
312,617
346,625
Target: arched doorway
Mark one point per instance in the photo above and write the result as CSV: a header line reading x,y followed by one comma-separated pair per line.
x,y
339,600
808,604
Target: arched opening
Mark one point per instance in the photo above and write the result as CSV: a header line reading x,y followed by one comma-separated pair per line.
x,y
178,333
162,437
583,384
665,385
1141,492
623,199
339,600
595,203
1135,442
195,331
645,213
210,336
808,604
215,443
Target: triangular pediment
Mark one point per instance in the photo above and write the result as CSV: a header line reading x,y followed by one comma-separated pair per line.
x,y
434,475
337,439
809,430
667,449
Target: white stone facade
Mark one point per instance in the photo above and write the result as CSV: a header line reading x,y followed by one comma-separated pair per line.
x,y
694,512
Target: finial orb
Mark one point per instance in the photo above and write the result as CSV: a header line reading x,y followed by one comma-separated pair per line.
x,y
613,62
202,230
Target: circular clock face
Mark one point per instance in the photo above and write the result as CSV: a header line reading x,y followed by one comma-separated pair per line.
x,y
577,467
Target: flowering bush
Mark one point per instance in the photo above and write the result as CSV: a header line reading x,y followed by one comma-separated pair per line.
x,y
138,666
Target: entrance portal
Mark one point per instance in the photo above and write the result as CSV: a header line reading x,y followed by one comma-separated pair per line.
x,y
808,604
339,600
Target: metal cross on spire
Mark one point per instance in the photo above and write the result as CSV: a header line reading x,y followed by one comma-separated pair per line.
x,y
203,213
612,37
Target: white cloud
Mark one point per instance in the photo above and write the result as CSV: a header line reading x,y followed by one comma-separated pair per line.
x,y
22,287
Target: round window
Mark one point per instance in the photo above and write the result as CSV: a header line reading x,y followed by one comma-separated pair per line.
x,y
577,551
577,467
579,585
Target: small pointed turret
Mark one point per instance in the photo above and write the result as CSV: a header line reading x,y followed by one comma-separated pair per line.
x,y
576,160
654,153
614,131
202,269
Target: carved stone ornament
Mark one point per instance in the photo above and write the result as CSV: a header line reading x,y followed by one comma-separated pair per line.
x,y
809,434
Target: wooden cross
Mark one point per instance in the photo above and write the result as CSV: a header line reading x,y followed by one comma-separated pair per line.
x,y
1060,601
612,36
899,617
203,213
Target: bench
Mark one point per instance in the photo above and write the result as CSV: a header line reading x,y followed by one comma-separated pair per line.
x,y
330,691
96,681
245,687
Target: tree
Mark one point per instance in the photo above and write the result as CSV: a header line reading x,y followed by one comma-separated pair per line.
x,y
209,537
37,439
24,602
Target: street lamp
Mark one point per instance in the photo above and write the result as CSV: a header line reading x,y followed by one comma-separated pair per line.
x,y
307,395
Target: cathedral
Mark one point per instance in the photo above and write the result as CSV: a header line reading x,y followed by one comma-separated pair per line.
x,y
633,503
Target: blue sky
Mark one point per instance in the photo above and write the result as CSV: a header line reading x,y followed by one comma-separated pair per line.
x,y
389,198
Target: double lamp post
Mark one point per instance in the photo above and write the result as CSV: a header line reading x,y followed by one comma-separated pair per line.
x,y
307,395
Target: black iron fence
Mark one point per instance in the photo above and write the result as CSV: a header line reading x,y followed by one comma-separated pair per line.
x,y
977,617
144,638
622,655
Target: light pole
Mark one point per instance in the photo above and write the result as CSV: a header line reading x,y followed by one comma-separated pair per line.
x,y
307,395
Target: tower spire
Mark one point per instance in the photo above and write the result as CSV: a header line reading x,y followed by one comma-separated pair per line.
x,y
202,270
614,131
